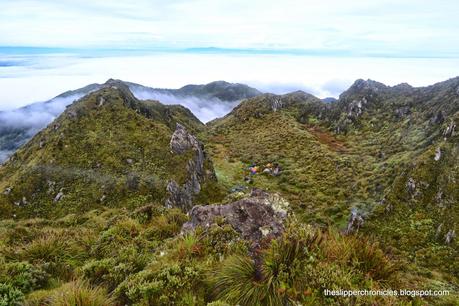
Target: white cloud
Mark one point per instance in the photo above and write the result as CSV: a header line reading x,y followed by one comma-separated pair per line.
x,y
48,76
384,26
205,109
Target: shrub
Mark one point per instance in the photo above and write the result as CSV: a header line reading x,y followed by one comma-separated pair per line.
x,y
360,254
165,226
218,303
275,277
237,281
58,252
10,296
162,285
112,271
23,276
189,246
222,240
112,239
78,293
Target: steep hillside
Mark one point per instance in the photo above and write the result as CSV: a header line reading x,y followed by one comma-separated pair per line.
x,y
20,125
383,160
106,149
315,173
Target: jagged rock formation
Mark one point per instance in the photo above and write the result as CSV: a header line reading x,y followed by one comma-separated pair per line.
x,y
181,143
259,216
355,222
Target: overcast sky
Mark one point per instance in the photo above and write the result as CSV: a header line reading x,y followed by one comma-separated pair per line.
x,y
388,27
317,46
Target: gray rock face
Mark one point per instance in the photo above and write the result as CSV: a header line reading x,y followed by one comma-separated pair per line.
x,y
101,101
276,104
450,236
59,196
355,108
355,222
8,191
438,231
21,202
437,154
261,215
402,112
438,118
411,186
182,141
182,196
449,131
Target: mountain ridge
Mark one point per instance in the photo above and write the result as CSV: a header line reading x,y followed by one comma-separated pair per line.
x,y
286,191
12,138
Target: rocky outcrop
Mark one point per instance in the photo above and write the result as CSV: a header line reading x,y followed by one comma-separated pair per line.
x,y
449,131
182,141
438,118
59,196
437,154
182,196
355,222
402,112
411,186
276,104
355,108
450,236
261,215
8,190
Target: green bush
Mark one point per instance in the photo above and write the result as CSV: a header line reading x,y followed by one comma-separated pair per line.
x,y
274,277
10,296
163,285
111,271
116,236
23,276
77,293
237,281
362,255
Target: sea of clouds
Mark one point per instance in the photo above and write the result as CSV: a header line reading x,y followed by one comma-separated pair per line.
x,y
38,77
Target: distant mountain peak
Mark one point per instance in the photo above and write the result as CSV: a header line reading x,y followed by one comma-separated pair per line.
x,y
366,85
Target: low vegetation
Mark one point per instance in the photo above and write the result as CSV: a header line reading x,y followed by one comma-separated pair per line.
x,y
372,183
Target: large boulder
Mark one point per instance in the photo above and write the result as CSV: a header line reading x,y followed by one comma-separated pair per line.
x,y
258,216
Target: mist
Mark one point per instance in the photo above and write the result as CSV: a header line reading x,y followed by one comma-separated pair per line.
x,y
204,109
29,78
19,125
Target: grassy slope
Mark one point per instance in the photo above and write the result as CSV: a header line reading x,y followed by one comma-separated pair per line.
x,y
118,150
316,175
367,167
137,256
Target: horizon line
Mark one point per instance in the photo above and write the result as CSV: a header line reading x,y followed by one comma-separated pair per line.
x,y
114,51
